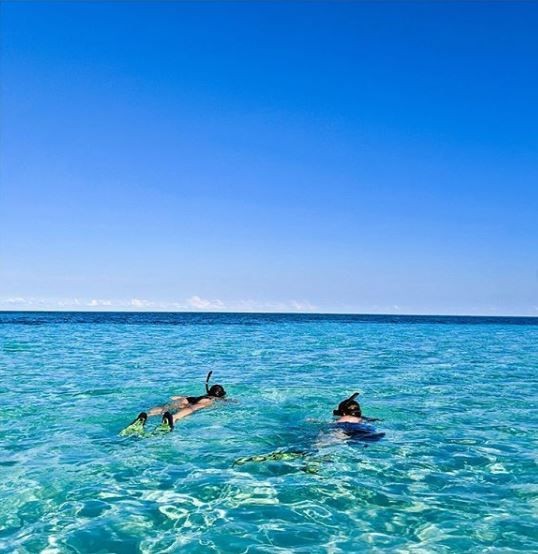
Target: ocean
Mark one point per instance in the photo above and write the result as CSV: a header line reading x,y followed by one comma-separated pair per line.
x,y
455,472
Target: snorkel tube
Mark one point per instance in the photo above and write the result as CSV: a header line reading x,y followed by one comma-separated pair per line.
x,y
340,411
215,391
207,381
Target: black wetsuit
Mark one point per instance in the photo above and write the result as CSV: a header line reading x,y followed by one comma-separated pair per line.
x,y
195,399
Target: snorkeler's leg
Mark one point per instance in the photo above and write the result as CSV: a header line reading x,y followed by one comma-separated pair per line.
x,y
188,411
177,402
169,420
157,410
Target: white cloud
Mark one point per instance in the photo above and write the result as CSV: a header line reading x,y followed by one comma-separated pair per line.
x,y
204,304
69,302
195,302
98,302
302,306
199,303
252,305
16,300
21,302
139,303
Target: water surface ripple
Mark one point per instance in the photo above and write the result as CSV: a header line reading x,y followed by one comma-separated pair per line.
x,y
455,472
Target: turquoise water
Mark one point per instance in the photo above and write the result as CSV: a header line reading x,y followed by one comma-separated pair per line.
x,y
455,472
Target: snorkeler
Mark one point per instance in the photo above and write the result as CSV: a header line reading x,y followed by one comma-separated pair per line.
x,y
352,423
189,402
178,408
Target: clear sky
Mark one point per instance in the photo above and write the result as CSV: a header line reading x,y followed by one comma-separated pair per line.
x,y
349,157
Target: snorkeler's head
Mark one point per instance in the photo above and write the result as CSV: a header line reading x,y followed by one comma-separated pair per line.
x,y
348,407
216,391
352,408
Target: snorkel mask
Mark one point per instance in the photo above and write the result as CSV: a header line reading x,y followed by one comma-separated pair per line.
x,y
216,391
348,407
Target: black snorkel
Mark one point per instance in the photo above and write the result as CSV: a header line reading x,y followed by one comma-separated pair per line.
x,y
207,381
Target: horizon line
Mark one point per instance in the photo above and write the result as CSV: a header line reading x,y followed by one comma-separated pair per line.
x,y
297,313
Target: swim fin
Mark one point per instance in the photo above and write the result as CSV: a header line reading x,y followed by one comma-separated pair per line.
x,y
277,456
166,426
136,427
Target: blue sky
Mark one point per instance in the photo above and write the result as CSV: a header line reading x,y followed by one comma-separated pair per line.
x,y
346,157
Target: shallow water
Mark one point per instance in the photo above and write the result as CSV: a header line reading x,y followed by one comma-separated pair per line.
x,y
456,470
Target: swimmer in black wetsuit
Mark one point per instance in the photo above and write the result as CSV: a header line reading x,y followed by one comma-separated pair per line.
x,y
351,422
216,391
183,406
